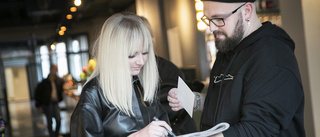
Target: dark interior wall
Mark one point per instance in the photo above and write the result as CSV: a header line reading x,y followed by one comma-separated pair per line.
x,y
182,15
176,18
153,11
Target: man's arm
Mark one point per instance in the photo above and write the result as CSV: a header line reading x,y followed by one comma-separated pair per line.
x,y
175,103
198,101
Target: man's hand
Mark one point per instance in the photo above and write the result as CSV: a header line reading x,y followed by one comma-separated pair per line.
x,y
174,103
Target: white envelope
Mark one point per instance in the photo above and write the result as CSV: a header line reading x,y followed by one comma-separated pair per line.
x,y
185,96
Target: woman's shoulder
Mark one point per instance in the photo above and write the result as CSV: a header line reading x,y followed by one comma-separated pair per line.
x,y
92,94
91,91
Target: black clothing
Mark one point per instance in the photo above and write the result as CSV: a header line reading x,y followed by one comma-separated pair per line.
x,y
52,111
261,93
50,105
44,88
181,122
95,117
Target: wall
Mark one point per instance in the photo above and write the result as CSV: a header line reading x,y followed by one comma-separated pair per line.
x,y
151,9
181,14
9,84
188,29
17,83
311,14
178,18
300,18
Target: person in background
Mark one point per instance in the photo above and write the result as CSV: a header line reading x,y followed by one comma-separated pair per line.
x,y
255,83
181,122
48,94
119,98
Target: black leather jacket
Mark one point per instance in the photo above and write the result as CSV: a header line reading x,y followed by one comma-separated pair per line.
x,y
94,117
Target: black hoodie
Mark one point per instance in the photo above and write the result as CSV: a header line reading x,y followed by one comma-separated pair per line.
x,y
261,93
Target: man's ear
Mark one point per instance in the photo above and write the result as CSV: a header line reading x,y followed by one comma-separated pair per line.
x,y
248,9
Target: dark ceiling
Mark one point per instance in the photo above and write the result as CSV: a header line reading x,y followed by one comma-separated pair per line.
x,y
36,13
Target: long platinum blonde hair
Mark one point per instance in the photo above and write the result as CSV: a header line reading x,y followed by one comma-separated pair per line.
x,y
121,36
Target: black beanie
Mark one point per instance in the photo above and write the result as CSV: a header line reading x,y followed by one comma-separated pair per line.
x,y
231,1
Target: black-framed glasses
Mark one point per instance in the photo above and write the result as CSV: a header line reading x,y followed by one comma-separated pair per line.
x,y
219,22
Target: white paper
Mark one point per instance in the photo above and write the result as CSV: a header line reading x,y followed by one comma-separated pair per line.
x,y
210,132
185,96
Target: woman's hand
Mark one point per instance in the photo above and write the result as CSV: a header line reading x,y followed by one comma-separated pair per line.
x,y
154,129
174,102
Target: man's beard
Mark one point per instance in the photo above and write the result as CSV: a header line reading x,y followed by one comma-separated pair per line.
x,y
230,42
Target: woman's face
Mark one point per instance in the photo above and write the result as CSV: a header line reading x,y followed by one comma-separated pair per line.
x,y
137,60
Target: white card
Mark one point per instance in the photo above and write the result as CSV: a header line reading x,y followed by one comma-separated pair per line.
x,y
185,96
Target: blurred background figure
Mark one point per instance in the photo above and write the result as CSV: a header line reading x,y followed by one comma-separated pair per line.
x,y
48,94
180,121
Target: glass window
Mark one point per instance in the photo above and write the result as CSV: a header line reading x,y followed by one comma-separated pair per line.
x,y
58,57
79,56
76,59
61,59
74,54
44,59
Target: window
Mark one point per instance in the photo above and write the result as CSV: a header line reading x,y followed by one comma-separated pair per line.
x,y
79,56
61,59
74,54
58,57
44,59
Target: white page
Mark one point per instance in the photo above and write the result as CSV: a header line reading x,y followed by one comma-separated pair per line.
x,y
185,96
209,132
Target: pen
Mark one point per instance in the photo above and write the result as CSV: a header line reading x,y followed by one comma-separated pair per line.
x,y
171,133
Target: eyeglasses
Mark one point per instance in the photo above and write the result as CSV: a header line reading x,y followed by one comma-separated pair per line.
x,y
219,22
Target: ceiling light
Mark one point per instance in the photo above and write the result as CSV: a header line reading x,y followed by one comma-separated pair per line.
x,y
61,32
69,16
73,9
53,46
199,6
63,28
77,2
199,15
201,26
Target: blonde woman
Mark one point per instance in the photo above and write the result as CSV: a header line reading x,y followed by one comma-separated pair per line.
x,y
119,98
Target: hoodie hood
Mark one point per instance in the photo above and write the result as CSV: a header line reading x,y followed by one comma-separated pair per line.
x,y
266,30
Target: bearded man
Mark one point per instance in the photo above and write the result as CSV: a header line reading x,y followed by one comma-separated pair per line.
x,y
255,83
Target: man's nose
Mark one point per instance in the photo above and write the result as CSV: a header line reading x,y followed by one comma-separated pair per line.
x,y
213,27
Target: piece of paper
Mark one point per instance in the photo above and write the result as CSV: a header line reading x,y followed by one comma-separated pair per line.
x,y
185,96
210,132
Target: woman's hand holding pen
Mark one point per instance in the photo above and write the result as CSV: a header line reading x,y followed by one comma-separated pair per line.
x,y
174,102
154,129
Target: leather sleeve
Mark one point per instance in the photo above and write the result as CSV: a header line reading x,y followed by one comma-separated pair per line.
x,y
86,120
59,85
